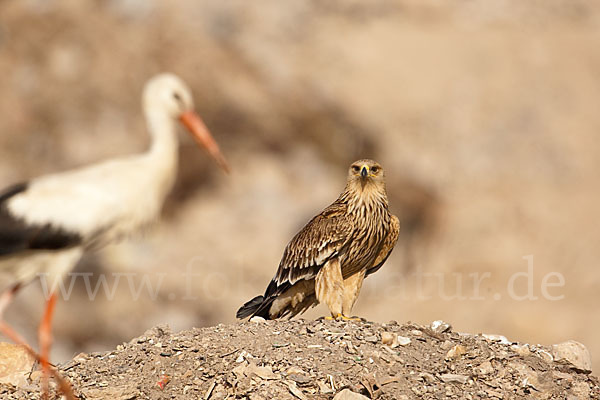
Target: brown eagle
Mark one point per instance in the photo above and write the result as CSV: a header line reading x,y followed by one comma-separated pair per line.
x,y
330,257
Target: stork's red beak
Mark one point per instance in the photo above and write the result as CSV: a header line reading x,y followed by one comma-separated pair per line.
x,y
194,124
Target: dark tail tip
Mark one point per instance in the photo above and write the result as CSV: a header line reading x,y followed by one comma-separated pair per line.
x,y
250,308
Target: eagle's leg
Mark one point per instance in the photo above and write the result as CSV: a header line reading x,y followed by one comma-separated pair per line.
x,y
329,287
352,286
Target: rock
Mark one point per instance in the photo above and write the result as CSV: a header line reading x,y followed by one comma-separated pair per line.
x,y
393,340
15,364
324,388
544,355
573,352
347,394
295,391
257,319
496,338
581,390
454,378
456,352
440,326
521,349
265,373
371,339
484,368
388,338
294,371
403,340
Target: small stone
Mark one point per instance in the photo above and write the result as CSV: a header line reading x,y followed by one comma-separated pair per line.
x,y
403,341
454,378
294,371
371,339
485,368
544,355
447,345
324,388
427,377
257,319
295,391
440,326
522,349
573,352
347,394
241,357
581,390
265,373
456,352
496,338
387,338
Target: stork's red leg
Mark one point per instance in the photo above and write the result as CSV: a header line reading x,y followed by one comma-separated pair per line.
x,y
45,341
5,299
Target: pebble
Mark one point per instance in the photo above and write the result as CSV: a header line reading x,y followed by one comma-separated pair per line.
x,y
456,352
496,338
371,339
454,378
393,340
484,368
387,338
440,326
573,352
521,349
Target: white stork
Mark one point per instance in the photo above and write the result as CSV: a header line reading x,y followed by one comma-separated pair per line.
x,y
48,223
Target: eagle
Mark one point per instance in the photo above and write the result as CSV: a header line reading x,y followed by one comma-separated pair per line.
x,y
327,261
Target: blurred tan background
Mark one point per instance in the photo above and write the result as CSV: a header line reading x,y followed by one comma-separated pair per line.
x,y
485,115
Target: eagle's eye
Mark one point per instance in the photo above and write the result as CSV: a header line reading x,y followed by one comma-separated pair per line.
x,y
374,169
356,168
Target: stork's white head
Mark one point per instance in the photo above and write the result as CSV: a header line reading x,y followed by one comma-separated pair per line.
x,y
168,94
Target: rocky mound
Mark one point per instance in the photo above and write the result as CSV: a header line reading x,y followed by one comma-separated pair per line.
x,y
325,360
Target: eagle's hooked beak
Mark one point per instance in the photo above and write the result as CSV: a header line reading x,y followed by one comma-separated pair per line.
x,y
364,172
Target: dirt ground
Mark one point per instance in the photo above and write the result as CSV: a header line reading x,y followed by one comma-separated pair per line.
x,y
483,112
317,359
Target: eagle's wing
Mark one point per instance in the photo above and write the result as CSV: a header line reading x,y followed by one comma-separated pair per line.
x,y
321,239
388,245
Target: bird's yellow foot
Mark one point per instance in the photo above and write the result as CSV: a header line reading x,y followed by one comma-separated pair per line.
x,y
342,317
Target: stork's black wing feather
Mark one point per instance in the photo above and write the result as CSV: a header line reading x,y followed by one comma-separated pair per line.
x,y
17,236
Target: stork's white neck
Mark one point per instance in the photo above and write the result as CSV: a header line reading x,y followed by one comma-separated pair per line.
x,y
163,152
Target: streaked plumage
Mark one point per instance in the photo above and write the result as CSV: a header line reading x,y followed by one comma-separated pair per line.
x,y
329,258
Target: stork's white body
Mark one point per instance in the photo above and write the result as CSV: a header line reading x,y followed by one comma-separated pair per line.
x,y
100,204
97,204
